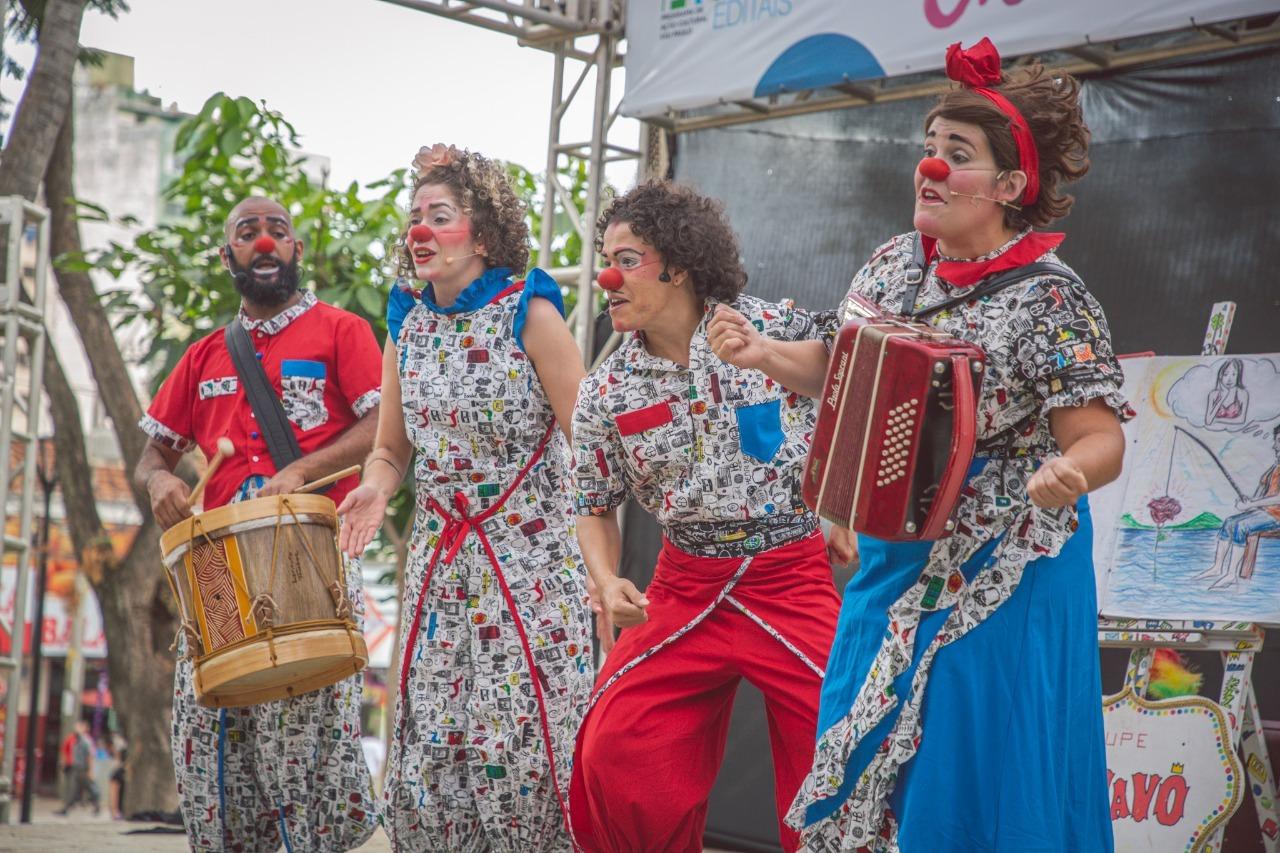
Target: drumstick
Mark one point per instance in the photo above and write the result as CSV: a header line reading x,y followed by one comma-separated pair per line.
x,y
225,449
324,481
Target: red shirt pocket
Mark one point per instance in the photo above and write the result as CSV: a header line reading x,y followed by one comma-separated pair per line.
x,y
630,423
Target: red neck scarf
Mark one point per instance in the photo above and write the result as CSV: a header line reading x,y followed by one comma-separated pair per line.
x,y
1023,251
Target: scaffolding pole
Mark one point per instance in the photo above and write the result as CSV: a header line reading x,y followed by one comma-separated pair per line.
x,y
22,313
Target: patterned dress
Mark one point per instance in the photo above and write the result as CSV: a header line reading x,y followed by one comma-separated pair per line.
x,y
495,649
961,710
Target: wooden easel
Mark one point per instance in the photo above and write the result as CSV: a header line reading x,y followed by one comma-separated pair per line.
x,y
1237,642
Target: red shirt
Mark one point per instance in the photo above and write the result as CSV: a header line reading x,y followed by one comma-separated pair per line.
x,y
323,362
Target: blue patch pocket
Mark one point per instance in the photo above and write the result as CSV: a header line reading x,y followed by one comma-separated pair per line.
x,y
302,367
760,429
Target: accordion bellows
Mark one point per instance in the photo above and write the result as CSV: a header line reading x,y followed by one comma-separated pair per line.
x,y
896,428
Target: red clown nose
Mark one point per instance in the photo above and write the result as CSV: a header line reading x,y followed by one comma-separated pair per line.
x,y
421,233
934,169
264,245
609,278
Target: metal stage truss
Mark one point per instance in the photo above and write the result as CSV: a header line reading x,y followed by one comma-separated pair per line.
x,y
22,314
583,36
586,36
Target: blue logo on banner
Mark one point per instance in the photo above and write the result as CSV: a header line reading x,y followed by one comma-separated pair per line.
x,y
818,61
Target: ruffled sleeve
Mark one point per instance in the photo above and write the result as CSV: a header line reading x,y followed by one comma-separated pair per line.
x,y
1065,349
536,283
399,303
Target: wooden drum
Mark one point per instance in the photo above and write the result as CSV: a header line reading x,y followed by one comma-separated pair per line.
x,y
262,590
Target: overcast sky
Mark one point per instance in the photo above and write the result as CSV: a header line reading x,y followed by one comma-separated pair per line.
x,y
364,81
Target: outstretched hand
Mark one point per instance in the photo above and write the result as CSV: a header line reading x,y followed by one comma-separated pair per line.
x,y
362,511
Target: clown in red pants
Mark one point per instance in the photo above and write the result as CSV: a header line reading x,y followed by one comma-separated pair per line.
x,y
651,745
715,452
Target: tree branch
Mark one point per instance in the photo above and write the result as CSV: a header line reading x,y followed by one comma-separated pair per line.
x,y
45,100
75,477
110,373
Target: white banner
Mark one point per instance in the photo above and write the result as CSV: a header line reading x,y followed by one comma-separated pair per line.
x,y
683,54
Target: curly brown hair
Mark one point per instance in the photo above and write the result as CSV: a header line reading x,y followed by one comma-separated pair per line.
x,y
689,230
497,216
1050,103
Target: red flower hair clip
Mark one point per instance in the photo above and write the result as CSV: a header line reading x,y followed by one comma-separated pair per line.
x,y
978,69
977,66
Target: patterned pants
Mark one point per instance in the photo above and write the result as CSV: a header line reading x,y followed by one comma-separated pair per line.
x,y
289,773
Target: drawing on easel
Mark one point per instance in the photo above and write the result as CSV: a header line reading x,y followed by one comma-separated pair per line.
x,y
1198,535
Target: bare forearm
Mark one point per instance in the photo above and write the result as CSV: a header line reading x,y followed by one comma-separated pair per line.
x,y
1099,455
798,365
601,544
155,458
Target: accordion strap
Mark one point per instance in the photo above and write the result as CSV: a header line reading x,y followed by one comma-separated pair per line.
x,y
915,275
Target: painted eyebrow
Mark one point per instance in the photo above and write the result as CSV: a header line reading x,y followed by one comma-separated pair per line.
x,y
954,137
249,220
627,249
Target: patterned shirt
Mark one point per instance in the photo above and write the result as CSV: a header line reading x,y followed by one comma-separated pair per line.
x,y
323,362
1046,341
714,452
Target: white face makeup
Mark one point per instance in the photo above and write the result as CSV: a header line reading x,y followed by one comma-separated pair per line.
x,y
435,206
946,209
642,298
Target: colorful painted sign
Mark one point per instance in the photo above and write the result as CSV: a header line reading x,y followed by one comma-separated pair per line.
x,y
1172,775
684,54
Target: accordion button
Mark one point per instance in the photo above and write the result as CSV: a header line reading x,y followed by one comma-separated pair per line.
x,y
914,402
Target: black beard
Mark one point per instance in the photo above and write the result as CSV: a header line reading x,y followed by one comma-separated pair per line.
x,y
269,293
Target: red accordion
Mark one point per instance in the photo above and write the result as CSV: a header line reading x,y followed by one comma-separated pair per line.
x,y
896,428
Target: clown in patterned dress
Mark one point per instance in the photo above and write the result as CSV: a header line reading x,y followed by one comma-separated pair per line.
x,y
479,375
961,709
286,773
743,586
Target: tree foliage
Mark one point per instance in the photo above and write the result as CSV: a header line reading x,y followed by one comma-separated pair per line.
x,y
235,147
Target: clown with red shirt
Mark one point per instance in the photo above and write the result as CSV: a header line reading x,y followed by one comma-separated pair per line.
x,y
291,771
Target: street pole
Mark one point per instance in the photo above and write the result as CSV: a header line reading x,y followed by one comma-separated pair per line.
x,y
47,482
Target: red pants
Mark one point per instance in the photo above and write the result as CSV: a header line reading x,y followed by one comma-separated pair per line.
x,y
652,741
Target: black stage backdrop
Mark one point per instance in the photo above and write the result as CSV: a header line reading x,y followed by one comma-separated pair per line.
x,y
1178,211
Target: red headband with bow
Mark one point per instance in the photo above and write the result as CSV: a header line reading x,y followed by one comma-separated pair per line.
x,y
978,69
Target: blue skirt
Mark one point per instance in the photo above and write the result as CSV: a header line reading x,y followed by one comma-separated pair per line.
x,y
1012,756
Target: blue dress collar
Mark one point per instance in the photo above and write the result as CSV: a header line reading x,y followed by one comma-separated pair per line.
x,y
477,294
